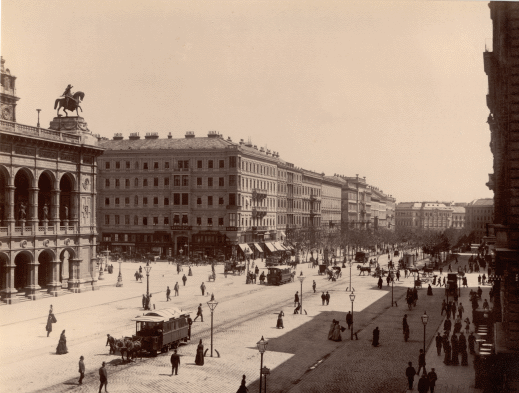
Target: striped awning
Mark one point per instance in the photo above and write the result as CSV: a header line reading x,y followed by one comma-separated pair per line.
x,y
245,248
258,247
271,247
279,246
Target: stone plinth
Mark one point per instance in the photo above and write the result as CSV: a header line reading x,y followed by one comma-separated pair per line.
x,y
72,124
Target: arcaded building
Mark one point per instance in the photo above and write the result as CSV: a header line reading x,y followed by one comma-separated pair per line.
x,y
48,236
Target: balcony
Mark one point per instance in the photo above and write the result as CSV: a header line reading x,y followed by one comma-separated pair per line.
x,y
259,193
315,197
39,132
259,212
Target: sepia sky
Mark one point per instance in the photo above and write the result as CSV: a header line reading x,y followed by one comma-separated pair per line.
x,y
394,91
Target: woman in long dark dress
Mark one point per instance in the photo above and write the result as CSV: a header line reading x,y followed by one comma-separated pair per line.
x,y
50,320
332,327
199,359
61,349
454,357
462,345
242,388
280,320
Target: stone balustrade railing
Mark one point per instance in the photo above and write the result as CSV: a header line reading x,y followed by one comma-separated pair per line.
x,y
39,132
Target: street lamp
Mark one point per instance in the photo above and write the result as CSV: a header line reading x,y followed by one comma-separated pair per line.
x,y
148,269
120,276
212,305
262,347
106,252
425,318
352,298
301,279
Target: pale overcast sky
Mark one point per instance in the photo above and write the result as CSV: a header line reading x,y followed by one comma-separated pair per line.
x,y
394,91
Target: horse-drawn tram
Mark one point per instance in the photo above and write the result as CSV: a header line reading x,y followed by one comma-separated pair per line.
x,y
161,330
279,275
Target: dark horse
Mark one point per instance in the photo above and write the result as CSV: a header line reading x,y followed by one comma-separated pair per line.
x,y
128,345
72,105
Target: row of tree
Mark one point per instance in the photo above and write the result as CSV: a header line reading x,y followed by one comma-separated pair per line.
x,y
350,240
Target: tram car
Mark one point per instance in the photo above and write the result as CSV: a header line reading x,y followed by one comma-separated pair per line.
x,y
279,275
361,257
452,284
161,330
272,261
233,267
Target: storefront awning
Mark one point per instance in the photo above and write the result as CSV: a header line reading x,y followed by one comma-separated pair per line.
x,y
258,247
288,247
271,247
282,234
245,248
279,246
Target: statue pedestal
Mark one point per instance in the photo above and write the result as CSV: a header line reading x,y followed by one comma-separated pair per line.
x,y
70,124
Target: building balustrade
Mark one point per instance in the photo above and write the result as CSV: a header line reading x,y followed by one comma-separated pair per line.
x,y
10,126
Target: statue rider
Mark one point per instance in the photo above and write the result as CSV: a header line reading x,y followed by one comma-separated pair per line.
x,y
67,94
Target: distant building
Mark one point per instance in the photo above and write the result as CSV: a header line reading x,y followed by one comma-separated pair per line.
x,y
458,217
478,214
424,215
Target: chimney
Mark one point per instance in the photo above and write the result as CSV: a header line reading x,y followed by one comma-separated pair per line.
x,y
255,147
190,134
118,136
170,136
212,134
262,149
241,142
152,135
134,136
229,139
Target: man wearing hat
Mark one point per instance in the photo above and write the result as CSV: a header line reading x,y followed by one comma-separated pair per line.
x,y
81,370
67,94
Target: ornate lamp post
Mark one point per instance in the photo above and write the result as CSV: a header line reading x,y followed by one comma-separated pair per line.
x,y
301,279
262,347
120,276
148,269
212,305
352,298
391,274
106,252
425,318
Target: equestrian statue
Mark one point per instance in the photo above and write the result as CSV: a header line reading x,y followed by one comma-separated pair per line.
x,y
70,102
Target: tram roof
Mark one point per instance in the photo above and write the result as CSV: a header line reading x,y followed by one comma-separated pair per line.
x,y
160,315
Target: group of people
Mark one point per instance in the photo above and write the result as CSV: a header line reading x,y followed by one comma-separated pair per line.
x,y
426,382
454,347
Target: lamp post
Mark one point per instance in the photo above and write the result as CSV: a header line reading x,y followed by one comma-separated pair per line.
x,y
301,279
352,298
212,305
120,276
262,347
106,252
148,269
39,110
425,318
459,284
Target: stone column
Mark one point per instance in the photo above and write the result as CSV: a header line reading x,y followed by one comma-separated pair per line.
x,y
74,214
33,290
33,219
10,292
55,221
73,282
65,271
95,284
54,287
9,213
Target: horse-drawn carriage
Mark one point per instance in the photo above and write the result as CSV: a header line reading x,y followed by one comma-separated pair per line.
x,y
322,269
162,330
280,275
361,257
364,269
334,273
233,267
428,271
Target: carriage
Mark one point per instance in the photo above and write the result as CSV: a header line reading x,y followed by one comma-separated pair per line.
x,y
272,261
322,269
361,257
279,275
234,267
428,271
334,273
162,330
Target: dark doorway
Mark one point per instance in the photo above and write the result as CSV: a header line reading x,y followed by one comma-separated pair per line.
x,y
3,271
22,184
44,195
4,206
21,271
66,188
44,269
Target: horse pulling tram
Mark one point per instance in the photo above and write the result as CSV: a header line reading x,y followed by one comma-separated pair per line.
x,y
279,275
162,330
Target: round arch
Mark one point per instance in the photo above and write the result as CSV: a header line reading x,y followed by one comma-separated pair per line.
x,y
67,186
23,181
21,272
46,184
45,259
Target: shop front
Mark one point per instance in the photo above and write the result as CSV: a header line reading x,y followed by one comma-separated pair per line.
x,y
210,244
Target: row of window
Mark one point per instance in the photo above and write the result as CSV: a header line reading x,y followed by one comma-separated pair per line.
x,y
178,181
249,166
181,164
155,220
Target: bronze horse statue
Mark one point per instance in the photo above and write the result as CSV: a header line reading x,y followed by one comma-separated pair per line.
x,y
71,105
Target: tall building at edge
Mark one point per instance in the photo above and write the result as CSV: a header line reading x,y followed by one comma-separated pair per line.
x,y
501,64
48,180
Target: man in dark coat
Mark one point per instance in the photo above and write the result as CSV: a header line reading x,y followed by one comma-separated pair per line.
x,y
184,279
410,372
423,384
323,298
376,336
199,313
175,363
444,307
296,299
380,282
462,348
103,378
168,294
421,362
472,341
439,342
455,350
432,379
81,370
349,319
405,328
189,322
447,325
327,298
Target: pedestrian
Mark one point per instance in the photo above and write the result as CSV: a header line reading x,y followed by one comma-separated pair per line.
x,y
327,298
296,299
242,388
62,349
144,301
460,311
199,313
444,281
199,359
439,342
168,294
140,269
432,379
405,273
479,279
453,309
50,320
202,288
184,279
175,288
189,323
441,270
462,347
175,363
447,325
323,298
446,349
388,280
423,383
279,324
472,341
103,378
314,285
410,372
376,336
190,273
380,282
349,319
421,362
398,275
110,341
444,307
429,290
81,370
178,268
450,268
455,350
